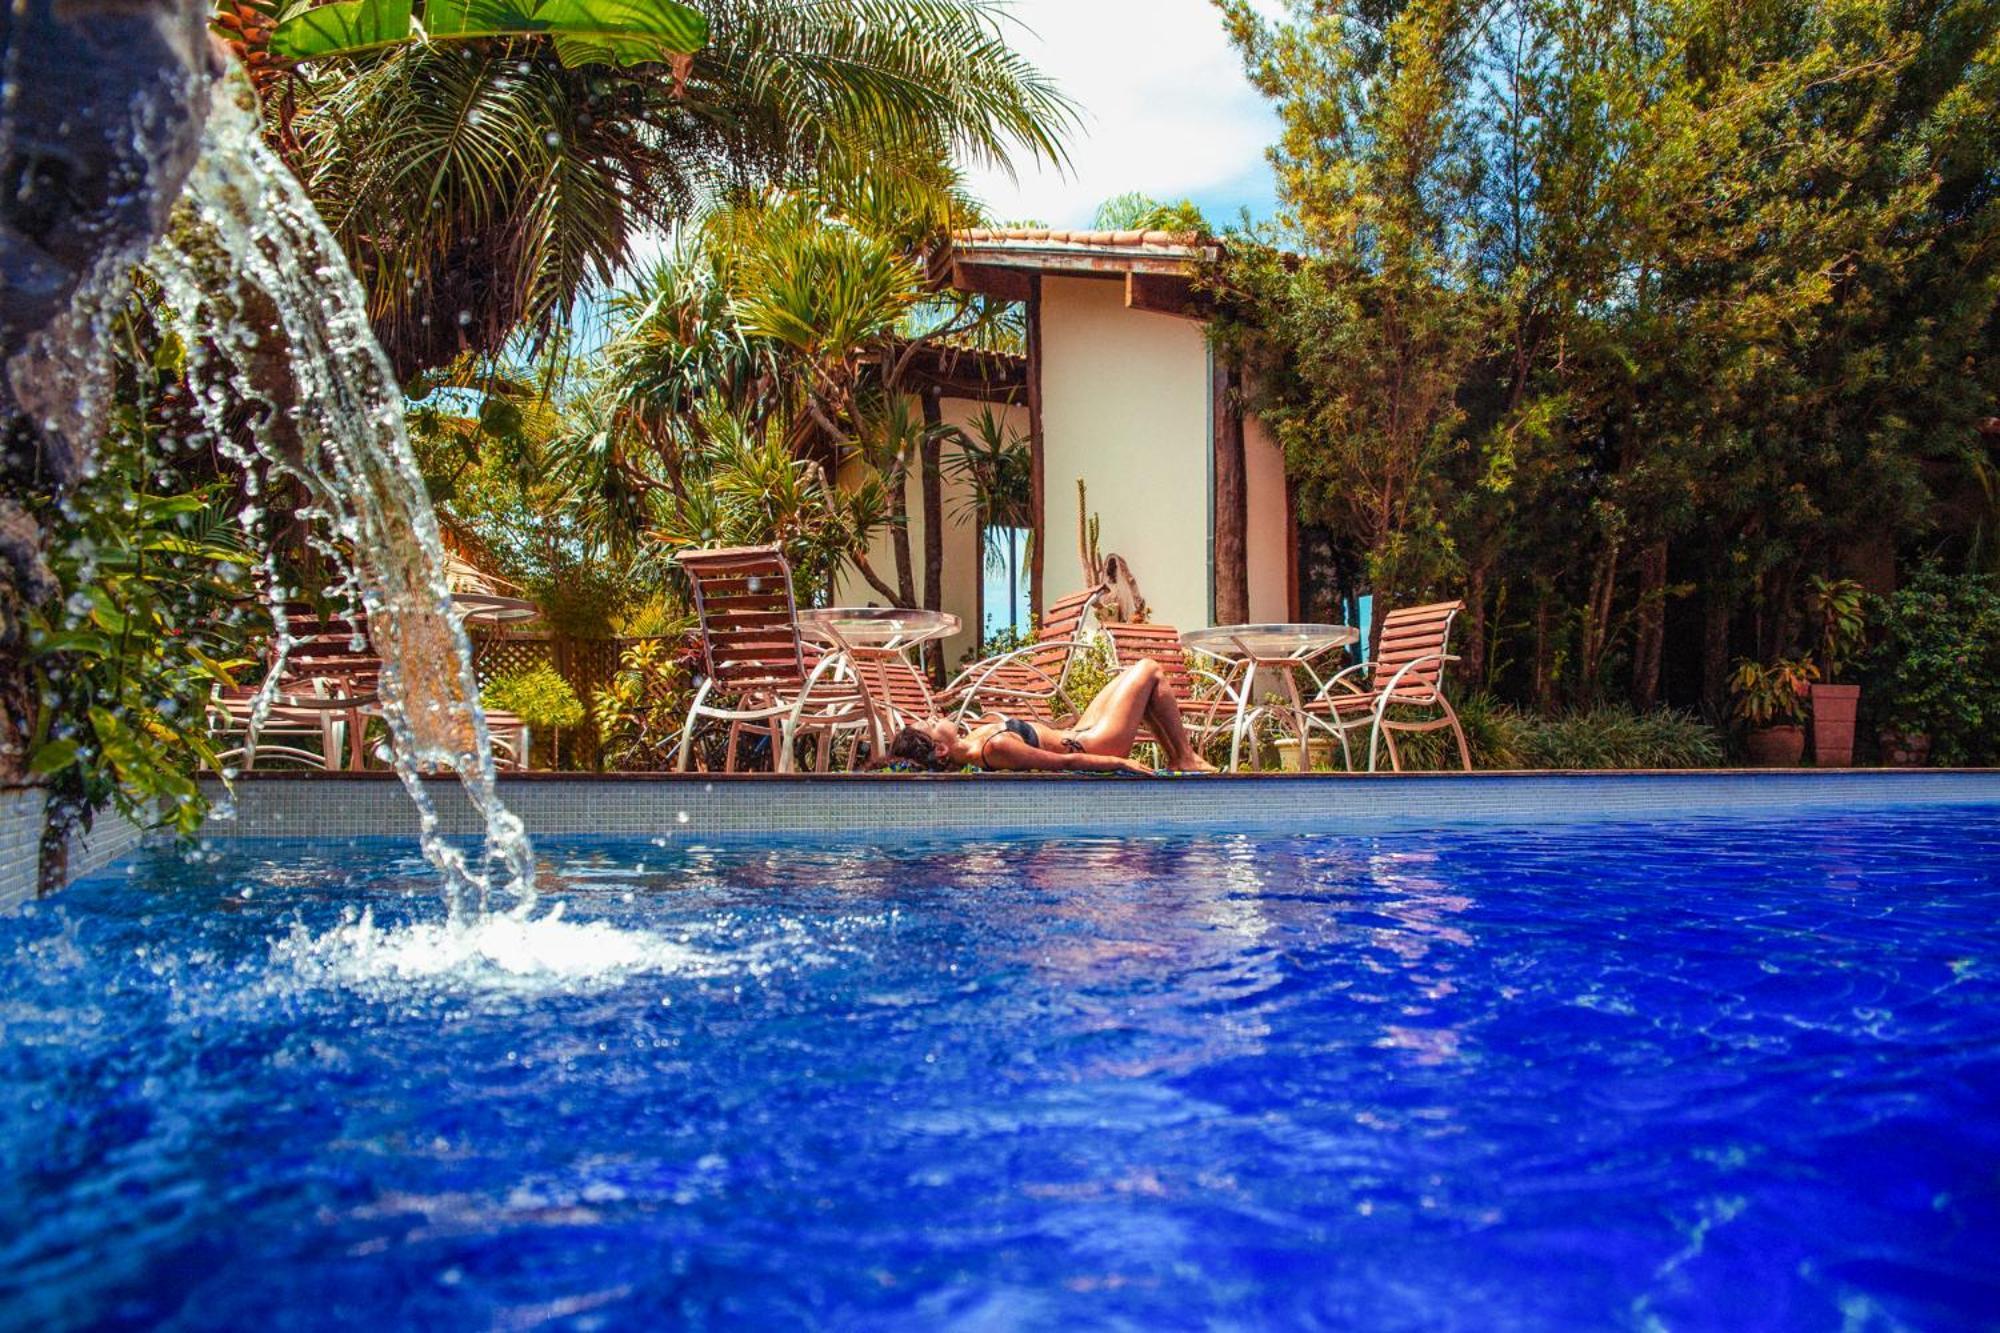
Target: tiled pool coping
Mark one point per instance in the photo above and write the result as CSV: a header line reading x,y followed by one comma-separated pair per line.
x,y
712,807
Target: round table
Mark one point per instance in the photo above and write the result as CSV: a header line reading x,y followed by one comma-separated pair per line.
x,y
482,608
1280,648
879,627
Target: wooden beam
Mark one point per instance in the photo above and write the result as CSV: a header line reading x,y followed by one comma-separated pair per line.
x,y
1164,294
1232,500
1037,483
995,280
1291,553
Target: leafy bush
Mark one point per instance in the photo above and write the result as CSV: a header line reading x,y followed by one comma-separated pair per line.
x,y
1608,737
1774,695
1936,668
147,620
537,695
1619,737
639,717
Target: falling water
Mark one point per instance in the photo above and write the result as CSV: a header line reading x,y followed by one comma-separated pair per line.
x,y
272,309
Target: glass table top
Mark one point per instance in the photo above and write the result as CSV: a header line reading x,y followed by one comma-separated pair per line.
x,y
877,626
1269,643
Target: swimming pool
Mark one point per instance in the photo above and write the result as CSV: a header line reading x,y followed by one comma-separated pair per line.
x,y
1637,1075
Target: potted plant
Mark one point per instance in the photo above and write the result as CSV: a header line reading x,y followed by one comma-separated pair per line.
x,y
1837,605
1771,705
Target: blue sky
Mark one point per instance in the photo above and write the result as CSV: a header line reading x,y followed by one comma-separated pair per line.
x,y
1165,109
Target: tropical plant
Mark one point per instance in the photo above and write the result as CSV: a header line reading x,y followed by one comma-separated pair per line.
x,y
639,716
1772,695
1839,609
995,461
582,32
1935,670
1135,211
786,315
1613,736
148,621
537,695
485,184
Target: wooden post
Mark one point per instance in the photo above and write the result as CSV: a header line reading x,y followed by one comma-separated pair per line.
x,y
1232,501
933,489
1037,487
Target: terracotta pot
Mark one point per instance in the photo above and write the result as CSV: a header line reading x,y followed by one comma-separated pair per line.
x,y
1775,747
1904,749
1833,711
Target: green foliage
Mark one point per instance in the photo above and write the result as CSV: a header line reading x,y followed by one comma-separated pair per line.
x,y
1610,737
538,696
639,718
1620,737
1006,639
1839,608
1592,310
1088,674
1773,695
482,188
151,570
1935,670
1135,211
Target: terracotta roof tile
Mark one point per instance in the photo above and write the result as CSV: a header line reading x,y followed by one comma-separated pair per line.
x,y
1046,236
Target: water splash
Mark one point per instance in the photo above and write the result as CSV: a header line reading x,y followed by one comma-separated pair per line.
x,y
495,953
272,311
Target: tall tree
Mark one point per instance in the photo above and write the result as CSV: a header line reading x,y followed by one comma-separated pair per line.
x,y
482,187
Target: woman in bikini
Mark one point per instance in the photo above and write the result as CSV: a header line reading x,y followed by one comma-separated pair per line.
x,y
1100,742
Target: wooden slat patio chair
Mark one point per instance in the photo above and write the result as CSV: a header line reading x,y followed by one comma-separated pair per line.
x,y
769,681
899,693
330,678
1027,682
292,733
1407,674
1207,699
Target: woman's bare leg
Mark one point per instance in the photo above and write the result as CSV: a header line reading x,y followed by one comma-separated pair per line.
x,y
1110,725
1164,712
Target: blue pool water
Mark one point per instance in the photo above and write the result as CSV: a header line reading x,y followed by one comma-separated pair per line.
x,y
1639,1076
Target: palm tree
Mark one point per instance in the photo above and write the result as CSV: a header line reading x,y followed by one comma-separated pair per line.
x,y
483,187
792,314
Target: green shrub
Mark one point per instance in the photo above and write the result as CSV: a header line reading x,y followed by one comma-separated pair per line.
x,y
1619,737
150,568
640,715
1935,669
537,695
1608,737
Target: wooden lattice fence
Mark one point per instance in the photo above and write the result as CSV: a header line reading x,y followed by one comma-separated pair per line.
x,y
589,665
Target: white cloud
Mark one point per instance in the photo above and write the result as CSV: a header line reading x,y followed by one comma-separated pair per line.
x,y
1164,104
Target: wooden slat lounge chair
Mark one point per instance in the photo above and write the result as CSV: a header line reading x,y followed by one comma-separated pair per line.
x,y
1407,673
330,678
898,690
330,688
754,662
1027,683
1206,699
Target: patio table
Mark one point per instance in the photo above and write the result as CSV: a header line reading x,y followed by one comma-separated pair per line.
x,y
1280,648
889,628
873,643
481,608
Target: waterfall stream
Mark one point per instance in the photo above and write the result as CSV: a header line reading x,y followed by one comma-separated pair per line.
x,y
269,307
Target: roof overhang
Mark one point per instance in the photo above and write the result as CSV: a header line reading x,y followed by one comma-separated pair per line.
x,y
1157,267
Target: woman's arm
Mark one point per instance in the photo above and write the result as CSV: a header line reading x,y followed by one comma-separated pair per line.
x,y
1009,751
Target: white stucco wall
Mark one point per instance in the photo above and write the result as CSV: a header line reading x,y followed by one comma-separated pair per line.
x,y
1269,547
962,556
1125,407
